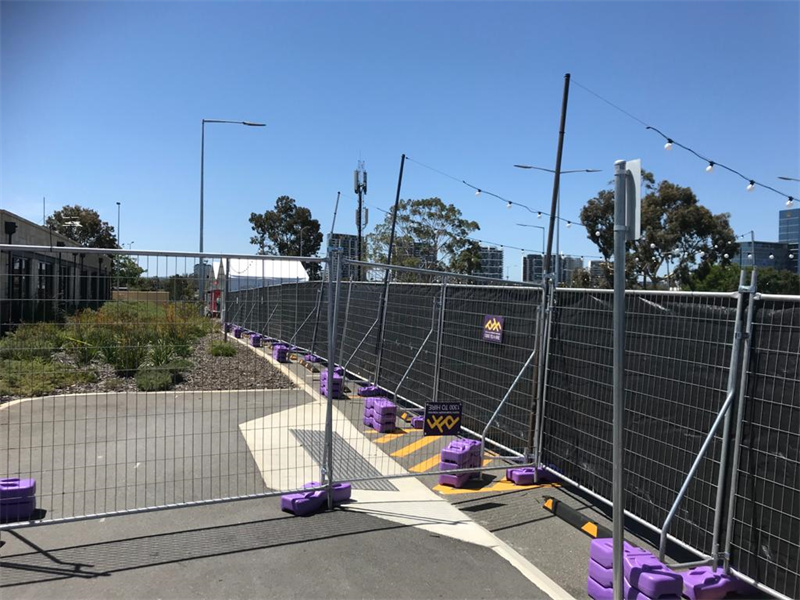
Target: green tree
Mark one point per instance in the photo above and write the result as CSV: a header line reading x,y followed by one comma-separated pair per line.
x,y
677,232
278,232
84,226
725,278
126,271
429,234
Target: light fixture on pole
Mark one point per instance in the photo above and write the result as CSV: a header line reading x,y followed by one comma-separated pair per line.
x,y
558,207
201,272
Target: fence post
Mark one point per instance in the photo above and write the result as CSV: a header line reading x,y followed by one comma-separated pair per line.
x,y
334,266
225,300
737,443
538,378
437,365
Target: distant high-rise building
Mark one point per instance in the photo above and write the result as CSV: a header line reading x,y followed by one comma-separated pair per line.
x,y
777,255
491,262
349,245
597,269
568,266
789,233
532,267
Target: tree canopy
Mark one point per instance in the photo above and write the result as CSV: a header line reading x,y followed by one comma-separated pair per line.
x,y
429,234
287,230
84,226
677,232
725,278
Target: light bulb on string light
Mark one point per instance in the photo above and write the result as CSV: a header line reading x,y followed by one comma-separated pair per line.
x,y
569,224
539,215
508,205
790,201
668,145
477,192
772,257
597,233
710,167
751,186
726,255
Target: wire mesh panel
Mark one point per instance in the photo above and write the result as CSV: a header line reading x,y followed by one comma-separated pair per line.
x,y
678,349
765,544
121,389
479,369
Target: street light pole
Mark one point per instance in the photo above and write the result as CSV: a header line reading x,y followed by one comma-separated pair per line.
x,y
119,242
201,272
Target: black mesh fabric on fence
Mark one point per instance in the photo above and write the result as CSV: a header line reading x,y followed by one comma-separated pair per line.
x,y
677,360
766,534
472,371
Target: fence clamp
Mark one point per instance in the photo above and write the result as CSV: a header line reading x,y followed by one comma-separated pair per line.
x,y
742,335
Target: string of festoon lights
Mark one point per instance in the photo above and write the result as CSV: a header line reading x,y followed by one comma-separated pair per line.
x,y
478,240
509,203
710,163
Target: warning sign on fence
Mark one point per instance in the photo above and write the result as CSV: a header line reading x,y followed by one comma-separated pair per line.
x,y
442,418
493,329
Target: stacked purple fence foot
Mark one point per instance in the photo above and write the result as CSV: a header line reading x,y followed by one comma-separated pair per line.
x,y
17,499
645,576
459,454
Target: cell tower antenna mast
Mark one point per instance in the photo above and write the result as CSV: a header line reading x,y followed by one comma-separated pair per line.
x,y
360,188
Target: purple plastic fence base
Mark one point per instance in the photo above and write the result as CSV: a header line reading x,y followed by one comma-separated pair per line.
x,y
226,327
237,332
525,475
602,575
312,358
455,480
602,551
597,591
303,503
17,498
417,422
632,593
255,340
702,583
368,421
370,390
383,427
651,577
341,491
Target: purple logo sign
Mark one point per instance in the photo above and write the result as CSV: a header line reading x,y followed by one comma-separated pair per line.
x,y
493,329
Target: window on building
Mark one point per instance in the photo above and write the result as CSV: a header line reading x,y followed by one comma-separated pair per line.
x,y
21,278
44,281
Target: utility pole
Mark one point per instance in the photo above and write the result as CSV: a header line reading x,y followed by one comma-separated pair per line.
x,y
360,188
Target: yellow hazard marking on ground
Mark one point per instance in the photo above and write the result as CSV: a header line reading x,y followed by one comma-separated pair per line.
x,y
590,528
411,448
426,465
548,504
500,486
391,436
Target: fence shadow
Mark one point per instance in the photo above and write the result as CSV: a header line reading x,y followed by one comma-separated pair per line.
x,y
103,559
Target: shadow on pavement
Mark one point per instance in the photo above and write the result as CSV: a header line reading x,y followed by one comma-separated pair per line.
x,y
105,558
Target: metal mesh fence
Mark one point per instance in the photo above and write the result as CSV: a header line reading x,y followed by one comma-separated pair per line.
x,y
766,520
678,353
120,391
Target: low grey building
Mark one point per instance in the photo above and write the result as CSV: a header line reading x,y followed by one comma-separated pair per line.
x,y
41,285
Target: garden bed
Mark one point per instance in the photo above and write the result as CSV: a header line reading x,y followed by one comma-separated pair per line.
x,y
125,348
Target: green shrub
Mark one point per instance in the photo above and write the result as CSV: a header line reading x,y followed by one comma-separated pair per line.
x,y
38,377
153,380
177,366
83,352
218,348
130,353
161,352
31,341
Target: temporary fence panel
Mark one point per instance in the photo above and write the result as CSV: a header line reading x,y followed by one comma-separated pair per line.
x,y
112,399
677,366
765,540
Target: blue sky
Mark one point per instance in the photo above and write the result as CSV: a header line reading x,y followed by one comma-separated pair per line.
x,y
102,103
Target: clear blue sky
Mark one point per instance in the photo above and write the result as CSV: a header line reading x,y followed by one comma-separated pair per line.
x,y
102,103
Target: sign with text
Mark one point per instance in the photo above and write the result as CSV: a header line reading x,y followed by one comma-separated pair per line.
x,y
493,329
442,418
